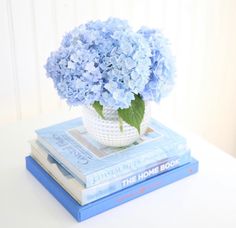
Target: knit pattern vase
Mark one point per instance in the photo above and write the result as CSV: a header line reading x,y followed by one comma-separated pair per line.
x,y
107,131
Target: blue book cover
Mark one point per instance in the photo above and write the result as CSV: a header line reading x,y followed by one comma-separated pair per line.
x,y
87,195
93,163
81,213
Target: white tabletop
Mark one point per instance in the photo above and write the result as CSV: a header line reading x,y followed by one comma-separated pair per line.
x,y
206,199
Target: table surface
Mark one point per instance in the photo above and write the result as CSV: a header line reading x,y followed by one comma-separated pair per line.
x,y
206,199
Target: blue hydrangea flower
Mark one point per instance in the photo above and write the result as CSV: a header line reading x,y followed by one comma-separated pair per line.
x,y
101,61
162,66
109,62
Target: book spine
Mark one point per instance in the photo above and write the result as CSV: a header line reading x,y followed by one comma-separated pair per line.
x,y
130,165
81,213
96,192
139,189
64,163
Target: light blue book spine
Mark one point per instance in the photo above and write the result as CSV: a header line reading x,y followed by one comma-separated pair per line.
x,y
81,213
99,191
93,164
87,195
133,165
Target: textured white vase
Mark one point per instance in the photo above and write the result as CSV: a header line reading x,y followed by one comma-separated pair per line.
x,y
107,131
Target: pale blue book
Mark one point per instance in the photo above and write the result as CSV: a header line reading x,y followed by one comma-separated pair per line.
x,y
87,195
92,163
81,213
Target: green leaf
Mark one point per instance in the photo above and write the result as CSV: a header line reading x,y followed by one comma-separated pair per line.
x,y
120,124
134,114
99,108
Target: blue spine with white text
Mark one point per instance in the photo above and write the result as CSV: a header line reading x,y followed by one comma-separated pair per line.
x,y
86,195
96,192
81,213
92,163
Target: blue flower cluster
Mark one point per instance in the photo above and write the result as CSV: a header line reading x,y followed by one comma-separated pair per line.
x,y
162,75
109,62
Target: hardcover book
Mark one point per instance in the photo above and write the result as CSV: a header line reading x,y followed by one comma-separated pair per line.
x,y
81,213
92,163
86,195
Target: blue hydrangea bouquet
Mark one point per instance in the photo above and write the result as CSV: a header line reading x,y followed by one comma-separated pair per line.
x,y
108,67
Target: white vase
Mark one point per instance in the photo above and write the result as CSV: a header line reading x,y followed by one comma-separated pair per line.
x,y
107,131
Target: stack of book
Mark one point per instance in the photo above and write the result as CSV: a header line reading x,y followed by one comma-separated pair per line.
x,y
88,178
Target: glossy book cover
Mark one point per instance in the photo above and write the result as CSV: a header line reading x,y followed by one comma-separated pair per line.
x,y
87,195
81,213
93,163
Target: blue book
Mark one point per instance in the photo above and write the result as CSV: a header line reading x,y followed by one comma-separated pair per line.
x,y
92,163
87,195
81,213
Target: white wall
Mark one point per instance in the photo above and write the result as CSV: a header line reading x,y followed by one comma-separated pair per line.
x,y
203,34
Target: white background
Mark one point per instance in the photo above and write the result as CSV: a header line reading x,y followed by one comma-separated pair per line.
x,y
202,33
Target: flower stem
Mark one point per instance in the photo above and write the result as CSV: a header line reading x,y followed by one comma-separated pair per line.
x,y
120,124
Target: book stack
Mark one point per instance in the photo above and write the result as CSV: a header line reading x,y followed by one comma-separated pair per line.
x,y
88,178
